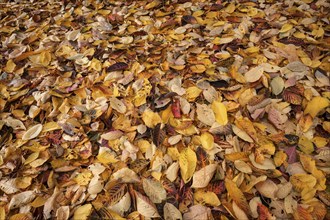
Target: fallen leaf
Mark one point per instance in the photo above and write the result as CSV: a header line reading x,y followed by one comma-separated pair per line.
x,y
236,194
32,132
187,162
202,177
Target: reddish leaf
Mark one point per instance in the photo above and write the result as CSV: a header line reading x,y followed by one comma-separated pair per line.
x,y
201,156
263,212
291,97
292,154
218,187
158,135
175,107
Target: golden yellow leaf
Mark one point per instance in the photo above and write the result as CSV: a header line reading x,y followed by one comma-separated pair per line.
x,y
207,140
2,213
10,66
230,8
220,112
192,93
320,141
187,162
83,178
198,68
308,193
83,212
45,58
106,157
286,27
209,198
305,145
20,216
301,181
152,4
236,194
266,146
280,157
39,201
316,105
23,182
32,157
150,118
173,153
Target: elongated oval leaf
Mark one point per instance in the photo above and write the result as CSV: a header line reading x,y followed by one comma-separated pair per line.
x,y
32,132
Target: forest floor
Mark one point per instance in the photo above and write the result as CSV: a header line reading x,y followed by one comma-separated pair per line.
x,y
164,109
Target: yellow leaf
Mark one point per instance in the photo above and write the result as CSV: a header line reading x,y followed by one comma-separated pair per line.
x,y
207,141
266,146
252,50
96,65
187,162
220,112
192,93
280,157
316,105
198,68
320,141
209,198
10,66
106,157
286,27
308,193
83,178
178,67
83,212
32,157
2,213
301,181
305,145
150,118
230,8
50,126
23,182
173,153
39,201
236,194
152,5
45,58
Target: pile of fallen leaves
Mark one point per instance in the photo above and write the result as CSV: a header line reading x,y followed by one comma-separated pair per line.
x,y
164,109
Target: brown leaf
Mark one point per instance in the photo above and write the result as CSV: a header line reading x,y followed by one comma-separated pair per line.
x,y
117,66
188,19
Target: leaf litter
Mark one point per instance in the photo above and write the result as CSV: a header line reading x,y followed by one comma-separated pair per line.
x,y
164,109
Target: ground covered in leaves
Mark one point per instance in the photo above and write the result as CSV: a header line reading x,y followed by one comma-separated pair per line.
x,y
164,109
